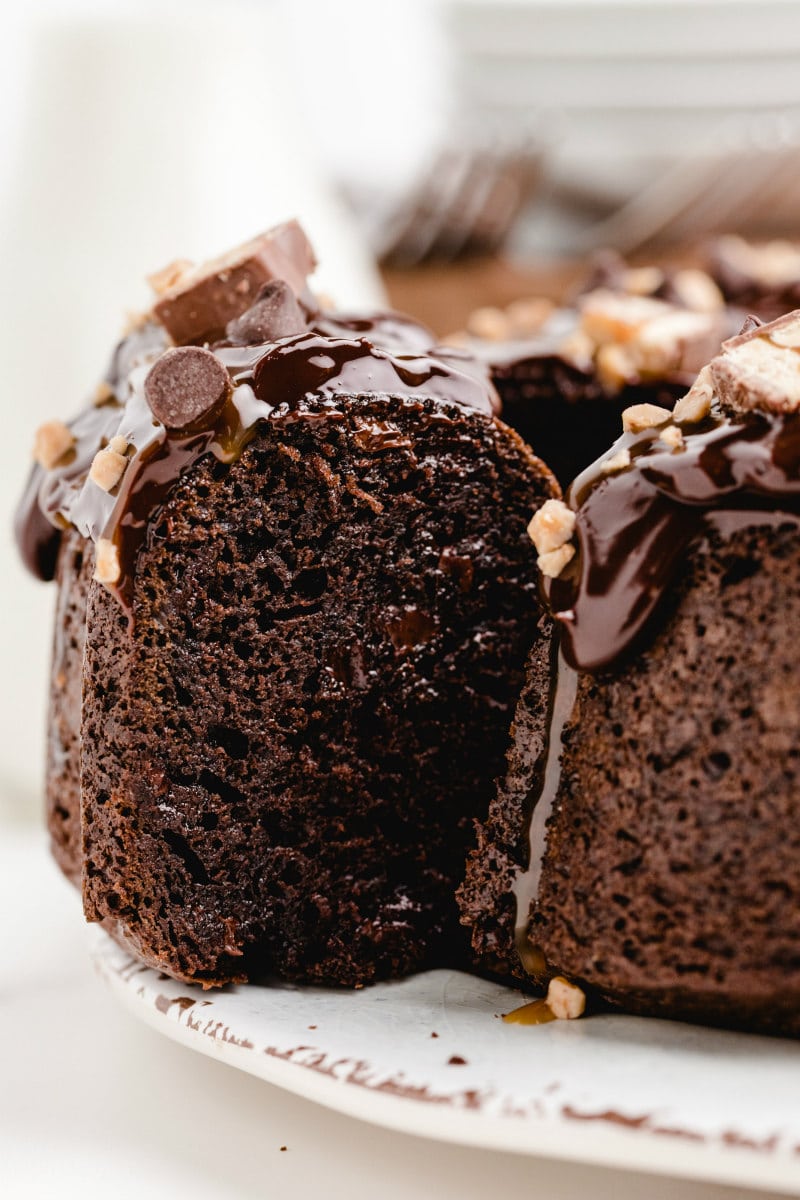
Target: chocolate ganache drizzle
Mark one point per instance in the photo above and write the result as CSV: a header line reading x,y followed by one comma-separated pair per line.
x,y
635,528
298,377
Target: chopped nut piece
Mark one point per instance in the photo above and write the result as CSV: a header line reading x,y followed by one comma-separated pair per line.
x,y
51,442
108,467
565,1000
642,281
696,404
617,462
697,291
106,562
460,339
528,316
610,317
672,437
639,417
491,324
161,281
615,367
677,340
120,444
103,393
578,348
553,562
551,526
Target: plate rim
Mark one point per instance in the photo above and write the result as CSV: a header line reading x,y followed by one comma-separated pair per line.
x,y
598,1140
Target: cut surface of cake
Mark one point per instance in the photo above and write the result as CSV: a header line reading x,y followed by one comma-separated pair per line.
x,y
295,597
646,838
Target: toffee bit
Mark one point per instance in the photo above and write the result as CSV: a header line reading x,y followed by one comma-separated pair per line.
x,y
526,317
52,442
108,467
553,562
169,276
491,324
551,526
696,404
672,437
565,1000
617,462
107,567
640,417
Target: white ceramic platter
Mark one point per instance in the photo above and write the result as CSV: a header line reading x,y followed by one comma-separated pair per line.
x,y
431,1056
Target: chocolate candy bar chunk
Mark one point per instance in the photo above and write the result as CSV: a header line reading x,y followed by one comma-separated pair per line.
x,y
201,302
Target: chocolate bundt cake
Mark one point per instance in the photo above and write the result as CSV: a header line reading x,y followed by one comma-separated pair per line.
x,y
295,599
645,841
566,375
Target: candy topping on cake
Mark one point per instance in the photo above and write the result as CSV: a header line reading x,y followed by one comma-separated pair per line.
x,y
163,406
202,300
728,456
760,369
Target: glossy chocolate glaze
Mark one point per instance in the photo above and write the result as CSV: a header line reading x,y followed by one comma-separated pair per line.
x,y
389,330
323,366
301,377
635,527
45,508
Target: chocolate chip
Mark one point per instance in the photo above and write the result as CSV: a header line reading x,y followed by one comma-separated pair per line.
x,y
186,387
275,314
202,301
751,322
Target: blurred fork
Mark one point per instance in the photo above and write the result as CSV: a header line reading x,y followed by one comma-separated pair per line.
x,y
467,202
698,197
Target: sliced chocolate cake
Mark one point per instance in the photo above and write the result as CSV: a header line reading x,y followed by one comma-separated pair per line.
x,y
566,375
645,842
294,574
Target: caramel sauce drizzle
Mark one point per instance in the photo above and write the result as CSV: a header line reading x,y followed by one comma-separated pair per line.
x,y
537,1012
